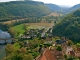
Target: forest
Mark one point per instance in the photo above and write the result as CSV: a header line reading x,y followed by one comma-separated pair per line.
x,y
69,26
22,9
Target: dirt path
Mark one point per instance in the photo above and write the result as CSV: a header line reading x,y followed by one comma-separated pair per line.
x,y
9,22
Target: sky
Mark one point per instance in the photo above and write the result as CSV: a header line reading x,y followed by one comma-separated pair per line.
x,y
57,2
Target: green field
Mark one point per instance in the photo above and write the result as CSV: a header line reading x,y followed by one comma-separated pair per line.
x,y
19,28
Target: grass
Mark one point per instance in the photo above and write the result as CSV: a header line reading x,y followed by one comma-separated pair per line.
x,y
19,28
17,46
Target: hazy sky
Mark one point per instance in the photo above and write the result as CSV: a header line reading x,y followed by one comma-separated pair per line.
x,y
58,2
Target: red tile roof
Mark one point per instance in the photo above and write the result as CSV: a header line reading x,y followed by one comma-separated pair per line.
x,y
47,55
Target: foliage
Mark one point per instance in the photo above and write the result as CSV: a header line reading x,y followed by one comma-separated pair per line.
x,y
22,9
9,49
4,27
65,56
70,42
69,26
78,45
69,58
18,56
59,48
17,45
19,28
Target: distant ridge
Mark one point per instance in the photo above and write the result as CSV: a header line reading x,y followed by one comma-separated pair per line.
x,y
53,7
22,9
75,7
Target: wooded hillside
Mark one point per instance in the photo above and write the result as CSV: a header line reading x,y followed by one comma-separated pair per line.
x,y
69,26
22,9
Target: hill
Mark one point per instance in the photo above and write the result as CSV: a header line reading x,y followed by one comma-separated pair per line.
x,y
75,7
22,9
53,7
69,26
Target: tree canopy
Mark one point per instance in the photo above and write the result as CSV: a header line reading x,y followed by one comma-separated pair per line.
x,y
22,9
69,26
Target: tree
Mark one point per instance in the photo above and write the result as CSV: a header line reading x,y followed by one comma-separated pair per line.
x,y
65,56
59,48
28,57
12,32
21,44
23,50
70,58
78,45
17,54
9,49
70,42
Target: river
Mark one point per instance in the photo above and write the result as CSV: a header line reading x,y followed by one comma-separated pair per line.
x,y
2,51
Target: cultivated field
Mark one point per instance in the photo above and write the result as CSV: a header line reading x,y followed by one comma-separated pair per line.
x,y
40,24
20,28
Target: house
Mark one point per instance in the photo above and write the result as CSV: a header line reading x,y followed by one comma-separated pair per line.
x,y
57,54
50,35
27,36
43,35
33,35
78,53
72,53
46,55
60,41
69,50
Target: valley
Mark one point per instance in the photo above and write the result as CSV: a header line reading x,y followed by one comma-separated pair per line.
x,y
33,30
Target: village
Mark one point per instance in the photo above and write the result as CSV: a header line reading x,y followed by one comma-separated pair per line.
x,y
62,49
59,49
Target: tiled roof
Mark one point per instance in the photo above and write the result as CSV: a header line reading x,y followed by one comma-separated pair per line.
x,y
46,55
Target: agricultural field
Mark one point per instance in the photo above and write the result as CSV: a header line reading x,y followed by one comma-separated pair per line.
x,y
20,28
39,25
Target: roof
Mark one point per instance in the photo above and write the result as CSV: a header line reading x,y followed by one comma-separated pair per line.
x,y
78,54
46,55
78,49
60,41
56,53
72,53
